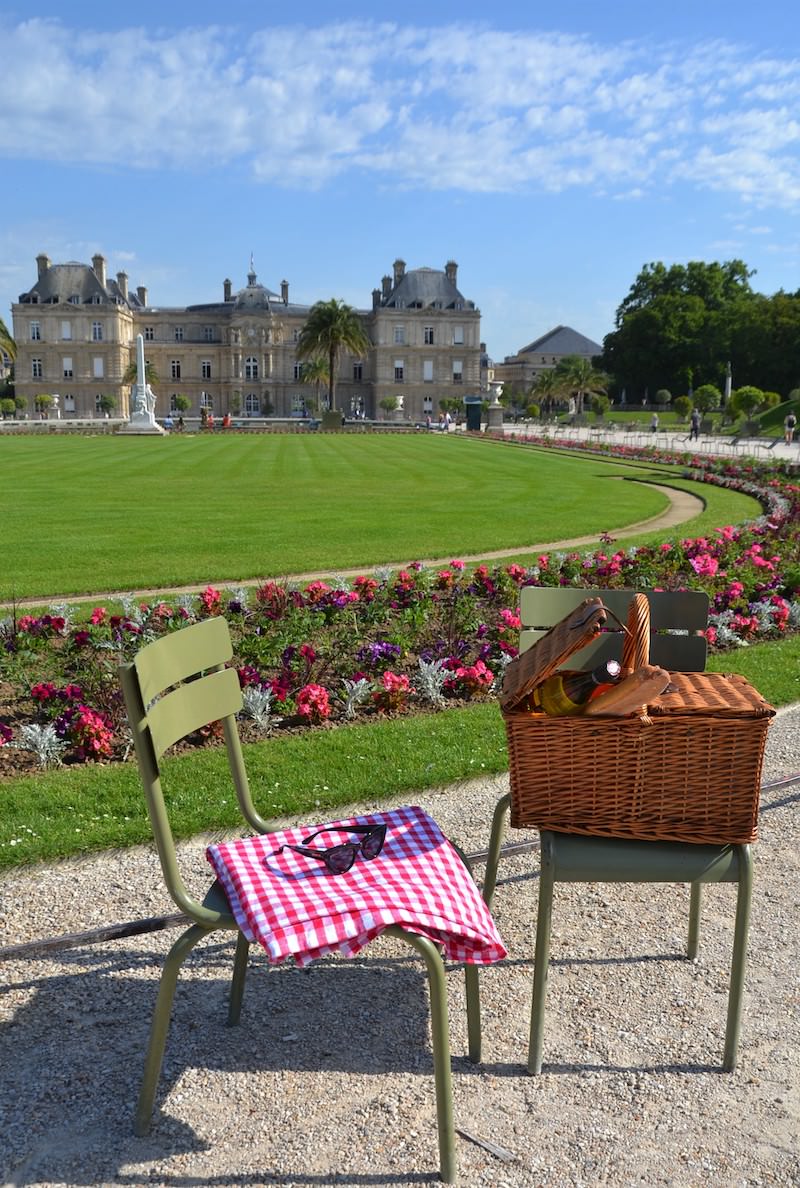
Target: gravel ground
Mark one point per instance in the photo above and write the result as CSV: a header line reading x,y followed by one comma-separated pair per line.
x,y
328,1079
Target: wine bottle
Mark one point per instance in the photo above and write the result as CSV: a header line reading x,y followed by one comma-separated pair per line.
x,y
568,691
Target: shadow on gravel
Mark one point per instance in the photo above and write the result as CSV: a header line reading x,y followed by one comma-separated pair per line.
x,y
73,1054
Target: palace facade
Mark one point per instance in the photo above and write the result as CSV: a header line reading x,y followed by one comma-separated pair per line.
x,y
76,329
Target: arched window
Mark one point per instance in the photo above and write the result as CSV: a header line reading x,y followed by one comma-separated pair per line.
x,y
206,401
252,405
251,367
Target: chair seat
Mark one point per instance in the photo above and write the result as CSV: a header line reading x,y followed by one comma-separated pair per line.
x,y
579,859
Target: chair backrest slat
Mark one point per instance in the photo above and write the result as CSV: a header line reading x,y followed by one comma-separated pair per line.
x,y
187,708
183,654
676,620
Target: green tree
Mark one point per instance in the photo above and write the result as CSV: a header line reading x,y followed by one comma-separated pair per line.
x,y
533,411
389,404
43,402
182,404
580,378
7,343
663,396
682,406
107,404
707,397
548,388
7,407
332,327
131,373
600,405
746,401
315,371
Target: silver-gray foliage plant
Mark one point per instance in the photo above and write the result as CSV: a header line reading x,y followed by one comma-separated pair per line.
x,y
257,704
44,742
356,693
431,679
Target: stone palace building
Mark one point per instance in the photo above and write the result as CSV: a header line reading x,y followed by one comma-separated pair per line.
x,y
76,329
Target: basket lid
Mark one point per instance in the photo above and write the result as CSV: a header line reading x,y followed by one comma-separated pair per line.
x,y
572,633
722,695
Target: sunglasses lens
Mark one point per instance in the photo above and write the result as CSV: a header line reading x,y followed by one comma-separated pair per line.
x,y
372,845
340,860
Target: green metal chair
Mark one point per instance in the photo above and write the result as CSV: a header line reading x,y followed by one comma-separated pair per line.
x,y
676,643
172,688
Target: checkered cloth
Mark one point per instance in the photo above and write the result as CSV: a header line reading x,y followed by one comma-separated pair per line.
x,y
294,907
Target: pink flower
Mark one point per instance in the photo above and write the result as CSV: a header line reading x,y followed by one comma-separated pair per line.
x,y
98,615
211,600
312,703
456,564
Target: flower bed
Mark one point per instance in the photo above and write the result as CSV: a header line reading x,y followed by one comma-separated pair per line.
x,y
387,643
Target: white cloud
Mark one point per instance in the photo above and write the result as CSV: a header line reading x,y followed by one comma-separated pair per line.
x,y
459,107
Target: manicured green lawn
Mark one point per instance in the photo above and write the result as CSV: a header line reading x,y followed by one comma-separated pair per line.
x,y
100,513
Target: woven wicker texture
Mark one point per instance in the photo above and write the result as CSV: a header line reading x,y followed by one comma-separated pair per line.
x,y
688,770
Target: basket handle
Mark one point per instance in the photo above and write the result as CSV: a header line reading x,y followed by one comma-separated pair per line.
x,y
636,645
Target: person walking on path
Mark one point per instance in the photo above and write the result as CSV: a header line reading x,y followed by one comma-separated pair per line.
x,y
654,422
694,429
789,426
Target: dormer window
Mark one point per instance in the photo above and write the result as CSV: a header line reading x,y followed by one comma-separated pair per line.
x,y
74,299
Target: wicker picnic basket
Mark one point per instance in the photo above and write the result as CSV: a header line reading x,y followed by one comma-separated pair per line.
x,y
686,768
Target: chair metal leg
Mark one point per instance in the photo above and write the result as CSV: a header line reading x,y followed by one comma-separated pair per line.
x,y
237,982
541,958
495,842
739,959
160,1024
473,1013
695,903
440,1039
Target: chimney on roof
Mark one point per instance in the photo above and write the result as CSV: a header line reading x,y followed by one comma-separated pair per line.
x,y
386,282
227,287
285,292
376,298
141,293
122,282
451,271
42,263
99,268
399,271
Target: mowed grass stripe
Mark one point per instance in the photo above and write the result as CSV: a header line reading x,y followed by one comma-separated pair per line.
x,y
116,513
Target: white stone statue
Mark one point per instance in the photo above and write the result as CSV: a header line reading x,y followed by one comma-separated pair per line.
x,y
143,399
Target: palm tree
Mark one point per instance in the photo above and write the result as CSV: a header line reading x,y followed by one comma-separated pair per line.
x,y
315,372
546,389
332,327
7,343
581,378
131,373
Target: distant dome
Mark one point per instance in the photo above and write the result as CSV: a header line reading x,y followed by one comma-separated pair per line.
x,y
254,296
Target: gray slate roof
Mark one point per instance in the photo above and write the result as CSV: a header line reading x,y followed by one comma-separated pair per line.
x,y
563,340
63,281
420,288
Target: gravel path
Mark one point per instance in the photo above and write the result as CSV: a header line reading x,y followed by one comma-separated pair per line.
x,y
328,1078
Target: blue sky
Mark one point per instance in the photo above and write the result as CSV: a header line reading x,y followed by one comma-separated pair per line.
x,y
551,150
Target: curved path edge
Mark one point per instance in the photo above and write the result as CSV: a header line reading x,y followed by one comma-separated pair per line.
x,y
683,506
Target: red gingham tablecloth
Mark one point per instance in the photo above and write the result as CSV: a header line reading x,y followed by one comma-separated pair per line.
x,y
294,907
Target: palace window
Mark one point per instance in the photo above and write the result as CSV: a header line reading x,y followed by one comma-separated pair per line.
x,y
427,371
358,373
66,331
179,333
97,367
398,371
208,333
66,367
399,335
251,367
149,333
252,405
97,331
175,368
458,335
173,402
428,335
36,331
205,369
458,371
36,369
297,371
206,401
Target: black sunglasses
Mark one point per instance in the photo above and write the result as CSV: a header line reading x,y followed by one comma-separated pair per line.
x,y
339,859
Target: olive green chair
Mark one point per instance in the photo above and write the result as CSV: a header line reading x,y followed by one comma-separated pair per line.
x,y
677,621
172,688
